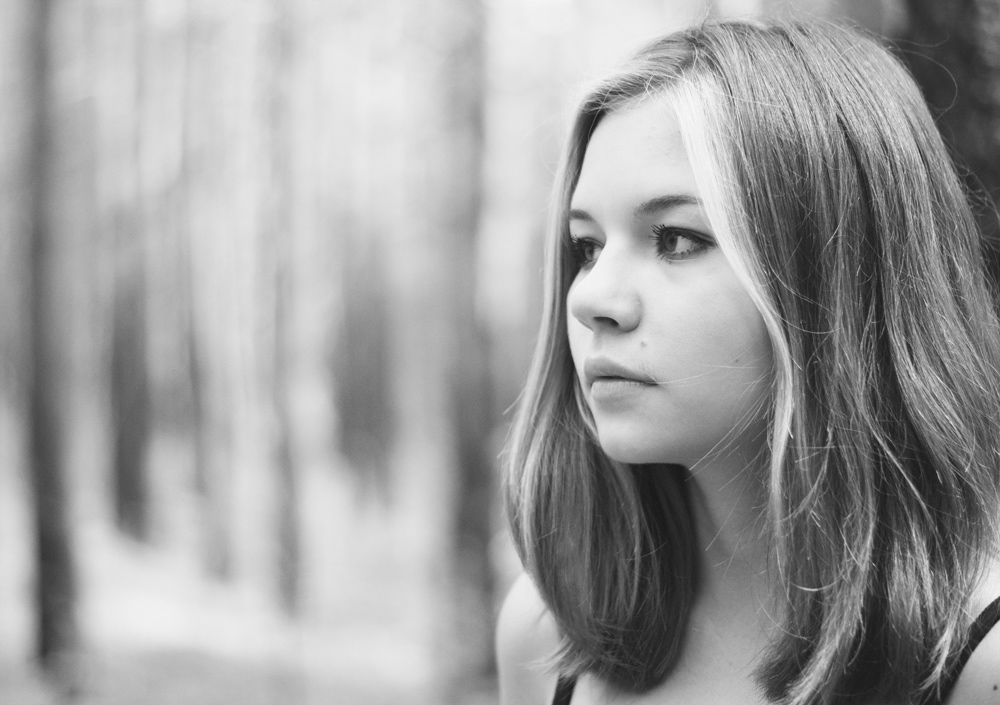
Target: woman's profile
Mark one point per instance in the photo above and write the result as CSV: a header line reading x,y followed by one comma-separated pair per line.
x,y
757,458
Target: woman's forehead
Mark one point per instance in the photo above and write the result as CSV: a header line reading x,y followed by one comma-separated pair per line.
x,y
635,156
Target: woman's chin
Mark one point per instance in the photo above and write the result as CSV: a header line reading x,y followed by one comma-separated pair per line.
x,y
630,450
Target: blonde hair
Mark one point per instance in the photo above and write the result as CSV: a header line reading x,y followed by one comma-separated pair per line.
x,y
842,214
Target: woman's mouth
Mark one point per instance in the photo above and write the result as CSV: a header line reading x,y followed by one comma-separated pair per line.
x,y
609,380
604,369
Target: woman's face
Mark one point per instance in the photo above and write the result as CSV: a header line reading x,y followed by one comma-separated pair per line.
x,y
670,350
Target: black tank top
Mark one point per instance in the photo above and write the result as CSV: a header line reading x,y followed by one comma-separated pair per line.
x,y
986,620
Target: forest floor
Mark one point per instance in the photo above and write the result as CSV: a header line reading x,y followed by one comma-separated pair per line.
x,y
157,630
157,634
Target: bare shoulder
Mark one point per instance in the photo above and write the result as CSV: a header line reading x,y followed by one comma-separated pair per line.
x,y
979,683
526,637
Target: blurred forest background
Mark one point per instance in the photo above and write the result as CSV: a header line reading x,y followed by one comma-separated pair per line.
x,y
270,281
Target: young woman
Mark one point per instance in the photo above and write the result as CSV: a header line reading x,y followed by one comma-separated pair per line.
x,y
758,455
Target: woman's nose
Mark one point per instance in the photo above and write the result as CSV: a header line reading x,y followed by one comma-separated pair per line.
x,y
604,296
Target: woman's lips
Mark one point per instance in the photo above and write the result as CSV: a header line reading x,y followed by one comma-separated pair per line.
x,y
604,369
607,389
609,380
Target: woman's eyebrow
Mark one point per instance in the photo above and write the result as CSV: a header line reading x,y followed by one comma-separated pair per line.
x,y
649,207
662,203
577,214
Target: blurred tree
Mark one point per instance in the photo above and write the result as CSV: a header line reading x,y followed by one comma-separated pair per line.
x,y
452,33
361,358
277,234
130,391
953,49
129,378
209,143
186,285
55,583
362,369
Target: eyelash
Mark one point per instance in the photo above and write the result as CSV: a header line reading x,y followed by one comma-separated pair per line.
x,y
579,246
662,232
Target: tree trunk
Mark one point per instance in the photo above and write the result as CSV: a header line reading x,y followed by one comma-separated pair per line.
x,y
186,286
130,385
953,49
455,30
362,364
209,245
130,403
363,209
55,588
277,236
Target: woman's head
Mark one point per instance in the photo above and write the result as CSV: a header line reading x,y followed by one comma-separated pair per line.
x,y
826,189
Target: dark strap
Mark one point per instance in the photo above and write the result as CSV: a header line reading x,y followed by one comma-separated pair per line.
x,y
564,690
986,620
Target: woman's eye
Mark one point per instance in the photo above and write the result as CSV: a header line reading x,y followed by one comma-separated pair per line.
x,y
584,250
678,243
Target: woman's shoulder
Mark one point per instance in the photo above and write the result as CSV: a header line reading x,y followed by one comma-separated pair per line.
x,y
526,638
979,681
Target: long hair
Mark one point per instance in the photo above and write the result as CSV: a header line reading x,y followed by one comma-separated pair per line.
x,y
834,199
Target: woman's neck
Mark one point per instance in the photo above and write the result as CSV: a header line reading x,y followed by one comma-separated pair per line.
x,y
728,498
